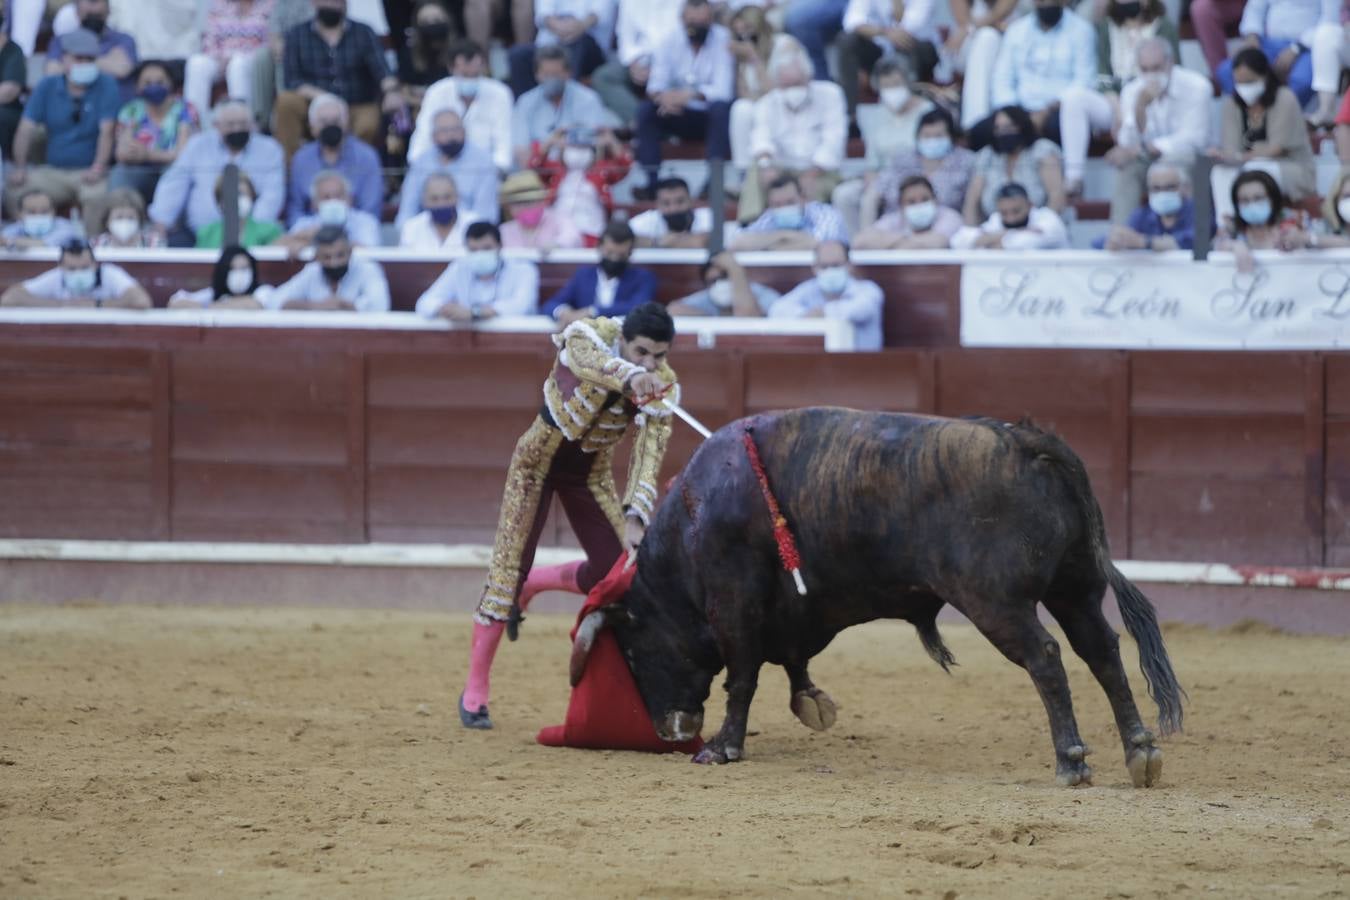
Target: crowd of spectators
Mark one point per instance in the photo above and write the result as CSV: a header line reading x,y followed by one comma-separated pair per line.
x,y
328,125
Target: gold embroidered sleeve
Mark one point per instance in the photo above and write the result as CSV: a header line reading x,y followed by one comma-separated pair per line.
x,y
649,449
591,357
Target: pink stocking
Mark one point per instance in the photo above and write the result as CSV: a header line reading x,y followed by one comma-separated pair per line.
x,y
485,641
550,578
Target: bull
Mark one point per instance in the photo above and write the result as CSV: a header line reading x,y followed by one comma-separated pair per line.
x,y
894,516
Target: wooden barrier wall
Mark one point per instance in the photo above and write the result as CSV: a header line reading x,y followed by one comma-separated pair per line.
x,y
348,436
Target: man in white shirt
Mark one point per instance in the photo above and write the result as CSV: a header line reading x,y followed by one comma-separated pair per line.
x,y
800,127
692,84
484,104
441,224
79,280
1164,115
481,284
877,28
582,28
674,222
336,280
330,196
622,82
468,164
835,294
1015,225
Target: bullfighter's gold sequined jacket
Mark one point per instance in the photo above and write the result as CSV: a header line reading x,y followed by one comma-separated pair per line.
x,y
583,396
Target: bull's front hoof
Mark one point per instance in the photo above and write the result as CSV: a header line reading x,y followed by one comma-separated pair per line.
x,y
715,756
815,708
1144,761
1071,770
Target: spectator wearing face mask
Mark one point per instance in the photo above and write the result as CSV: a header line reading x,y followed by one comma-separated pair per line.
x,y
1302,40
124,225
441,225
579,169
888,130
611,288
834,293
936,157
234,281
330,196
876,30
675,222
1262,219
727,291
558,104
38,224
80,281
579,28
336,281
253,232
919,224
1014,225
1015,156
114,52
482,104
78,108
791,222
424,58
334,150
532,223
1166,221
468,164
152,130
482,284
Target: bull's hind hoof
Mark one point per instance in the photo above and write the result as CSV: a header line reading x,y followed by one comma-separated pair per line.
x,y
715,756
1144,761
1071,771
815,708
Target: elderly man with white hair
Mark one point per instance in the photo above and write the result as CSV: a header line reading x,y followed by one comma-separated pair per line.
x,y
1166,221
441,225
799,127
334,148
188,189
1164,114
330,195
451,152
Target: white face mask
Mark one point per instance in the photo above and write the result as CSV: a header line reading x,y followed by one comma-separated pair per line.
x,y
796,96
895,97
38,224
238,281
1250,91
333,212
1154,81
79,282
577,158
920,215
483,262
720,293
124,229
245,206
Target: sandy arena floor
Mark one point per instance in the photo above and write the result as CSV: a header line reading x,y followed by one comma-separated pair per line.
x,y
229,753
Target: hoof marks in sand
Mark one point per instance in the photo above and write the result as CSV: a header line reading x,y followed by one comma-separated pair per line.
x,y
815,708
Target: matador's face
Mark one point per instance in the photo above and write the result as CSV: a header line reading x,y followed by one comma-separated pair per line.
x,y
645,352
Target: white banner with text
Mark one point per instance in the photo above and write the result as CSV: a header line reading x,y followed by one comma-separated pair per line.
x,y
1300,302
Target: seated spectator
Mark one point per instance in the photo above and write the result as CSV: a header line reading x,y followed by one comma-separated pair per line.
x,y
533,224
919,224
1085,111
800,128
466,163
579,169
1015,156
186,198
151,130
483,104
234,31
1043,54
336,280
972,46
888,129
752,39
78,109
727,291
1336,215
611,288
332,54
334,150
253,232
1263,219
268,72
1261,127
441,224
936,157
790,222
234,281
79,280
424,58
575,27
1164,115
330,195
882,29
691,88
124,225
1302,43
674,222
38,224
622,82
1015,225
13,82
836,294
481,283
114,53
555,106
1166,221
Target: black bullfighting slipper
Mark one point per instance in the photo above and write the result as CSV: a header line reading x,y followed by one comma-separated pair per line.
x,y
480,719
513,621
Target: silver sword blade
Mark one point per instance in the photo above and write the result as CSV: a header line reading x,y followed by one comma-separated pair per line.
x,y
690,420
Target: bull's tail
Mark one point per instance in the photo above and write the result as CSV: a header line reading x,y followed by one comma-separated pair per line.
x,y
1138,614
933,643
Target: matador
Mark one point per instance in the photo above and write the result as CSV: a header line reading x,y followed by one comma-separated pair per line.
x,y
609,373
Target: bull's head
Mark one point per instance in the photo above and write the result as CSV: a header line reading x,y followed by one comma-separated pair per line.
x,y
670,651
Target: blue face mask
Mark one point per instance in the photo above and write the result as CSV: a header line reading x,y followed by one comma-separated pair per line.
x,y
1165,203
833,280
934,147
155,94
553,87
1255,213
788,218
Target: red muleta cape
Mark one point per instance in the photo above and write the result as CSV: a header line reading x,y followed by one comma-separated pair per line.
x,y
606,711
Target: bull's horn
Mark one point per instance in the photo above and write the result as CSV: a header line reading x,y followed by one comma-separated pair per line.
x,y
581,647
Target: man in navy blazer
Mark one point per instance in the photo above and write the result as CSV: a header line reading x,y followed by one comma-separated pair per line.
x,y
612,288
